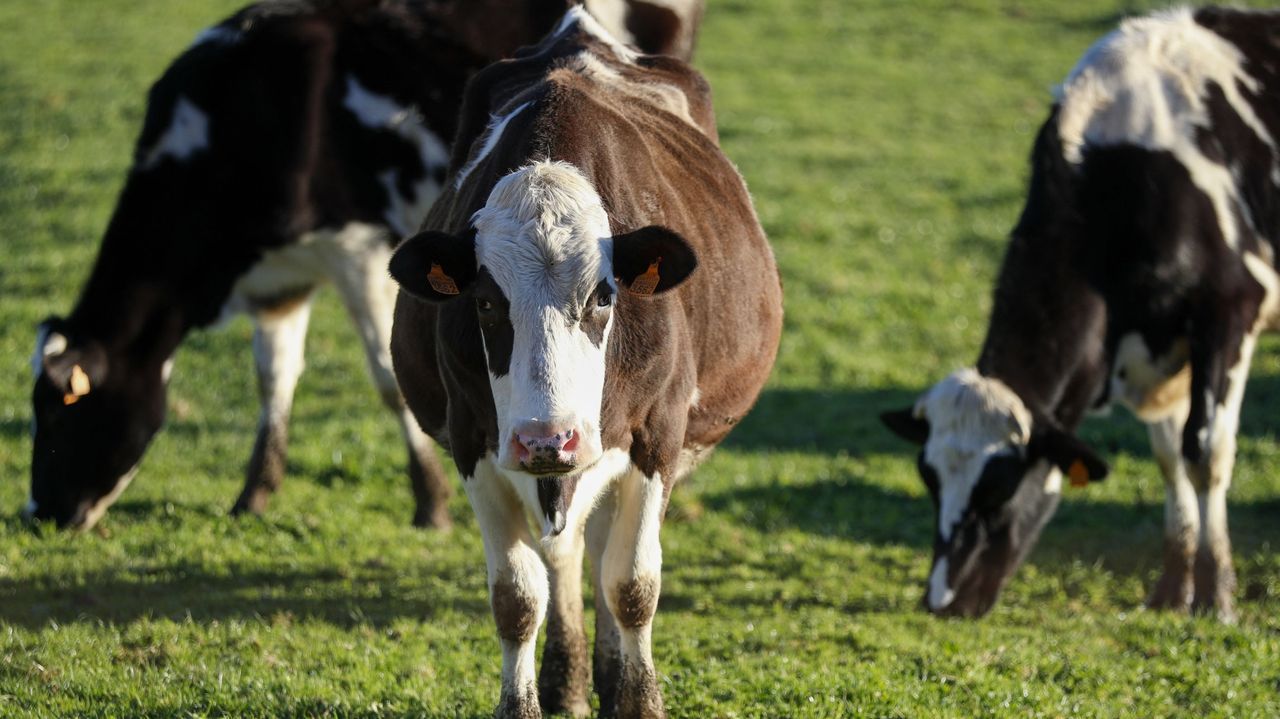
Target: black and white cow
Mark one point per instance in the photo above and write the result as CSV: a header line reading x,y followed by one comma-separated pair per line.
x,y
291,145
552,331
1141,272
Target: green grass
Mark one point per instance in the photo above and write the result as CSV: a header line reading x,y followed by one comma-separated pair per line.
x,y
885,143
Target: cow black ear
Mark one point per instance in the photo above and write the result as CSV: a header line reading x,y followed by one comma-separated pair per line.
x,y
74,368
907,425
1067,453
435,266
652,260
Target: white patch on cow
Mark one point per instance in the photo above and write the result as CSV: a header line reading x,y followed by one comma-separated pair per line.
x,y
188,133
1151,387
1146,84
647,92
166,370
404,213
940,595
100,507
612,17
218,34
317,257
29,509
1053,481
544,237
696,397
971,419
492,135
1265,274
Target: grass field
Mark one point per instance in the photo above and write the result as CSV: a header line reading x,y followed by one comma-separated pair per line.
x,y
885,144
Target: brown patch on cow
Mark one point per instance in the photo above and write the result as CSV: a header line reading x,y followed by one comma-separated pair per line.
x,y
431,489
281,303
1162,399
635,602
517,703
565,677
1215,584
638,693
515,612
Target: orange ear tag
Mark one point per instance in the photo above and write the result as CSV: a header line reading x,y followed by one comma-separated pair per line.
x,y
645,284
1079,474
440,282
79,386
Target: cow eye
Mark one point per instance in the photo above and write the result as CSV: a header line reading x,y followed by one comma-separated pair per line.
x,y
604,299
484,305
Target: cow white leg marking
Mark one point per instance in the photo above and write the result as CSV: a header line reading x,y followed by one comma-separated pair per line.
x,y
518,589
94,511
565,677
632,579
1214,571
940,593
357,263
1181,515
279,340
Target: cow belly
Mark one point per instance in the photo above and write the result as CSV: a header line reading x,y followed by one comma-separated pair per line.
x,y
287,275
1152,387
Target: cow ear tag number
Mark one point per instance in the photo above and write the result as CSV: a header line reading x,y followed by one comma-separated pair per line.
x,y
79,386
645,284
440,282
1079,474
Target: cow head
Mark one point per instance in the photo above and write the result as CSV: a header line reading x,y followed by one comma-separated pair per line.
x,y
92,418
542,273
994,471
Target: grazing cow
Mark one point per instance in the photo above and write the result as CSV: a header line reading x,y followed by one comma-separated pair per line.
x,y
553,333
1141,272
292,144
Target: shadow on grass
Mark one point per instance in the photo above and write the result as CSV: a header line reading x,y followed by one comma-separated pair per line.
x,y
367,594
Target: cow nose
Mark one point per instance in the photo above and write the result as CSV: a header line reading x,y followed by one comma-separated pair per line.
x,y
547,450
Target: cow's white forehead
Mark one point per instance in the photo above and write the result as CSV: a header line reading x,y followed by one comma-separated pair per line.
x,y
544,229
971,419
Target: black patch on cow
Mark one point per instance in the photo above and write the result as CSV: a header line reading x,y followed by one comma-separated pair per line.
x,y
493,312
555,494
635,252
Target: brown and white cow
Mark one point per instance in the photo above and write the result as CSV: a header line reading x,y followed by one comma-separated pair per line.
x,y
291,145
590,309
1142,271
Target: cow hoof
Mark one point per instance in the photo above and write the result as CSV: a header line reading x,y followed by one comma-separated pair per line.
x,y
1219,604
1172,592
517,706
432,519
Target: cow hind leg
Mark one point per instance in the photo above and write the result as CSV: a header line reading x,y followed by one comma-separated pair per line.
x,y
369,295
279,338
632,579
1181,518
1209,446
518,592
564,678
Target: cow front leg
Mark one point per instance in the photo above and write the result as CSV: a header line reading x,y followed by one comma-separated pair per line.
x,y
632,579
1181,517
1219,371
606,657
517,587
279,339
369,294
564,678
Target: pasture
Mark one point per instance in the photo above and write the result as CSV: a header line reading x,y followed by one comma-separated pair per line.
x,y
885,144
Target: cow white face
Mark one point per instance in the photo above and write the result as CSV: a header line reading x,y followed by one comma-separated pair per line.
x,y
994,474
543,276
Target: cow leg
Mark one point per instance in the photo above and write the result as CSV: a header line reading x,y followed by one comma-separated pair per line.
x,y
632,578
279,338
1181,517
370,295
517,586
565,677
606,658
1220,359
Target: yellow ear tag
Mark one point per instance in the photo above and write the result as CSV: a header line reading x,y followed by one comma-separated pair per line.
x,y
1079,474
79,386
440,282
645,284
